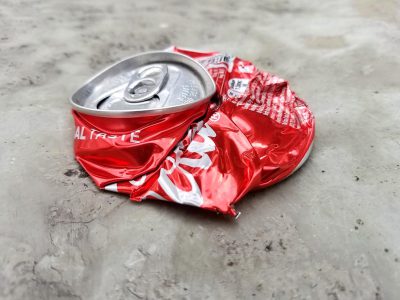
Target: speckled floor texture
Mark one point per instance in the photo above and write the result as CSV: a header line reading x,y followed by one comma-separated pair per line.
x,y
330,231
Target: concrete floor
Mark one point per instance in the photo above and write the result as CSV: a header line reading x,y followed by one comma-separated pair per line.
x,y
331,231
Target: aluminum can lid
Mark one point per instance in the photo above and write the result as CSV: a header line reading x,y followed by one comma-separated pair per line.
x,y
146,84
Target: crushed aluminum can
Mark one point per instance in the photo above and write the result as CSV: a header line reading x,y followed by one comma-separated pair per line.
x,y
259,135
130,116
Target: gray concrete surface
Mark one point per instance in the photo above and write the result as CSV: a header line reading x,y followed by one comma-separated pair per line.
x,y
331,231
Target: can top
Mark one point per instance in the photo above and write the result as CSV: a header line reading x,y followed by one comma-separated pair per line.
x,y
150,83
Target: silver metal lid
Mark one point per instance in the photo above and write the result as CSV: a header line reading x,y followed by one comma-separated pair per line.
x,y
150,83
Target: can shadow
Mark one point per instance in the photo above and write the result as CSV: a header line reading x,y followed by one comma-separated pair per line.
x,y
188,213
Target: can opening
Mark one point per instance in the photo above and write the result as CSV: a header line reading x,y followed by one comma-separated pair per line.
x,y
101,103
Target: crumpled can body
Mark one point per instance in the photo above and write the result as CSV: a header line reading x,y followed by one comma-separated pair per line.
x,y
122,148
259,134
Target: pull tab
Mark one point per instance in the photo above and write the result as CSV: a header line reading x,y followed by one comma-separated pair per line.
x,y
146,83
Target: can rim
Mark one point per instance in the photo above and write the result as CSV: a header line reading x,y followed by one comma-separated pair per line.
x,y
305,158
147,111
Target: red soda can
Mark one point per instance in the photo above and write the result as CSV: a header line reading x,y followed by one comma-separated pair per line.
x,y
192,152
130,116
